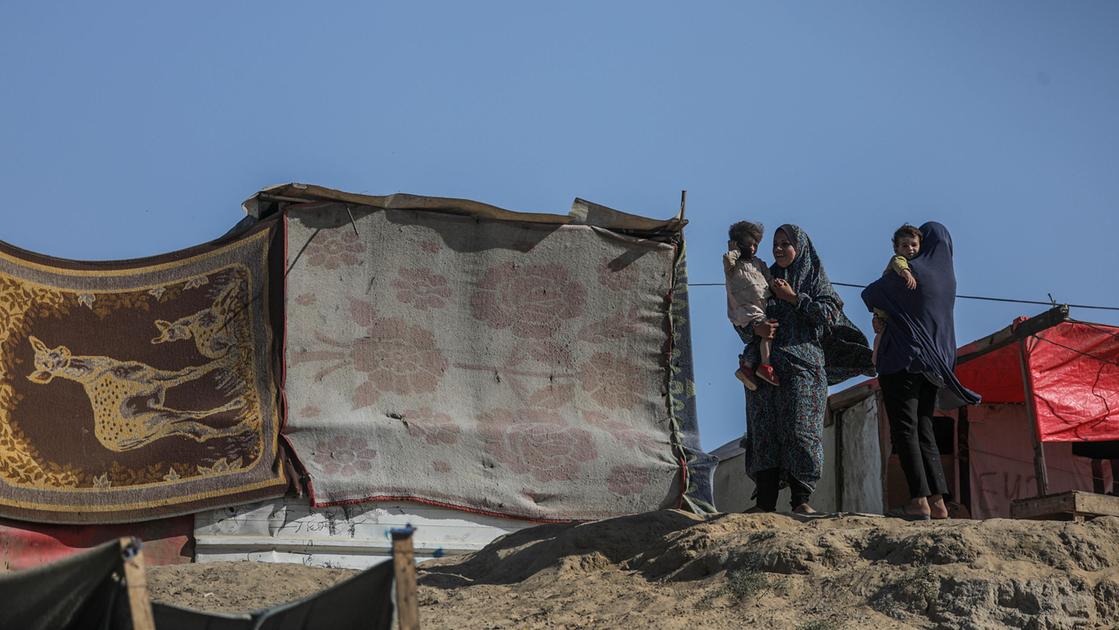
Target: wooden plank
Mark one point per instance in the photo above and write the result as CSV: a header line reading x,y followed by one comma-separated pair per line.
x,y
139,606
404,570
1012,333
1040,471
1072,505
1098,504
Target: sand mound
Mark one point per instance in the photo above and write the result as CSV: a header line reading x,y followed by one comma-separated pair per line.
x,y
670,569
673,570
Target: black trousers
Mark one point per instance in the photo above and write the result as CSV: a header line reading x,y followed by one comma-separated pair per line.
x,y
910,401
769,484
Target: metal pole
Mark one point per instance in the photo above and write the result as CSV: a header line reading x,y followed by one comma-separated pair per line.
x,y
404,570
1040,470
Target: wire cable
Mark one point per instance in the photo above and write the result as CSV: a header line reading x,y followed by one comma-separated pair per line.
x,y
964,297
1080,352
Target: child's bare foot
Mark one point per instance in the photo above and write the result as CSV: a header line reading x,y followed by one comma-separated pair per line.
x,y
745,374
766,373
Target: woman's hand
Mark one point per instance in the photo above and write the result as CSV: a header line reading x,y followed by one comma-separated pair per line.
x,y
783,291
878,325
766,329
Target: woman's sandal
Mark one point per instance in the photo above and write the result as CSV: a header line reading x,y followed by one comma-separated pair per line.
x,y
907,516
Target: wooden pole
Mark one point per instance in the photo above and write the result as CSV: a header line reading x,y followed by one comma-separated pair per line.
x,y
1040,471
683,203
136,583
404,569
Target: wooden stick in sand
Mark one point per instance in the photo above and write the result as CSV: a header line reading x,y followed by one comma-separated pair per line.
x,y
136,583
404,570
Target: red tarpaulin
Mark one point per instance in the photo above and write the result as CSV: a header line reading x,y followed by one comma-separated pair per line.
x,y
27,545
1074,371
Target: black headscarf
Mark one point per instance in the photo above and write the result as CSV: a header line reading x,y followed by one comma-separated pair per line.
x,y
846,352
920,335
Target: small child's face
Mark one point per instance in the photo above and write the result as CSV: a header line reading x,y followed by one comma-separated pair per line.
x,y
748,247
907,246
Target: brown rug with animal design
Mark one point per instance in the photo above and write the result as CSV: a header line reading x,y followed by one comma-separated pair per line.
x,y
138,389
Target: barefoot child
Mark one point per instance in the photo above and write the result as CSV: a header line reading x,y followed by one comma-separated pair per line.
x,y
907,244
748,280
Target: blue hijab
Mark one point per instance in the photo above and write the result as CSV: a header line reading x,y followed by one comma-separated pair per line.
x,y
920,336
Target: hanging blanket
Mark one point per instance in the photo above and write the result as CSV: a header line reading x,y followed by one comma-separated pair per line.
x,y
137,389
497,366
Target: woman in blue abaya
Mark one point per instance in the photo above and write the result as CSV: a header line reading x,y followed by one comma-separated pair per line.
x,y
917,363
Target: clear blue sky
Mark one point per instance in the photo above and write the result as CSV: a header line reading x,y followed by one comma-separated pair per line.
x,y
130,129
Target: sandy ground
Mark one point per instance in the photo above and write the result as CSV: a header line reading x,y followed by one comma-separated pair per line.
x,y
674,570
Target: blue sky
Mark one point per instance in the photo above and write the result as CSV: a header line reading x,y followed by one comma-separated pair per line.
x,y
130,129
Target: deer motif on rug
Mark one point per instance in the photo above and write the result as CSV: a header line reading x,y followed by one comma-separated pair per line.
x,y
128,397
213,328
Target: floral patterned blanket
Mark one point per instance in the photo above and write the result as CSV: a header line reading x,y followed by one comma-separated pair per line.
x,y
508,368
137,389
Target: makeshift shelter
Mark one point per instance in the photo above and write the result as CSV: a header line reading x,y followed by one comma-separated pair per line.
x,y
1047,381
398,359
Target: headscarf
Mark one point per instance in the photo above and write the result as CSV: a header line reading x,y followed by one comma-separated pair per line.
x,y
846,352
920,336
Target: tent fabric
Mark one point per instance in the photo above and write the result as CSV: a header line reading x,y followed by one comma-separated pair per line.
x,y
27,545
1001,456
699,466
504,367
1074,370
139,389
363,601
77,593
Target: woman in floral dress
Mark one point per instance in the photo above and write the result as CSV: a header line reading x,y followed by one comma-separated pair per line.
x,y
814,344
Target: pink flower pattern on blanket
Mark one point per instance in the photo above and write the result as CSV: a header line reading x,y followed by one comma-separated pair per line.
x,y
421,288
394,355
431,426
616,277
627,479
536,442
630,436
332,249
345,456
611,381
531,300
397,357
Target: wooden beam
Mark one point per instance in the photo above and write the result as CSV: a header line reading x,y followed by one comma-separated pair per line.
x,y
1073,504
404,570
963,458
1040,471
1012,333
136,583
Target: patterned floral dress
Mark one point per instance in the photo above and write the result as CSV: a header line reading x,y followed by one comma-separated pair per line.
x,y
785,424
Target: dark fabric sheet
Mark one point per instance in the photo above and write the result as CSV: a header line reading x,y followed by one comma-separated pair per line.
x,y
920,336
76,593
363,601
1097,450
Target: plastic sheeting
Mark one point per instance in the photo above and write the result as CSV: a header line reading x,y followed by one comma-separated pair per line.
x,y
363,601
1074,368
28,545
1074,372
76,593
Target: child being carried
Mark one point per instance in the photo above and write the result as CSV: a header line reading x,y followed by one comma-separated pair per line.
x,y
748,289
907,244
